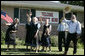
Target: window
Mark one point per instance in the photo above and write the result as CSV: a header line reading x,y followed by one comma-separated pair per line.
x,y
22,15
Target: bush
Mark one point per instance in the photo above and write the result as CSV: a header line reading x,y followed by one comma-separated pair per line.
x,y
3,37
80,44
54,41
19,41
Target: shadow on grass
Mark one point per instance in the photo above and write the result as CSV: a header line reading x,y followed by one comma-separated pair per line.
x,y
42,54
17,50
27,52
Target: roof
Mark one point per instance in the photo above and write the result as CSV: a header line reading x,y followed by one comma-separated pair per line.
x,y
46,5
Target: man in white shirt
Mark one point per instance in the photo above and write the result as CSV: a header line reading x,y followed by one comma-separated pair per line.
x,y
74,30
62,30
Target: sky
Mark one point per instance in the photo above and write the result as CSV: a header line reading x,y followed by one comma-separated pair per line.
x,y
55,1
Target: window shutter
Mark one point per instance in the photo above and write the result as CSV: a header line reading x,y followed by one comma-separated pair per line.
x,y
60,15
33,13
16,12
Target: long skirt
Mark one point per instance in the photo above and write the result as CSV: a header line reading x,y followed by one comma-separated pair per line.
x,y
11,39
35,40
45,40
28,39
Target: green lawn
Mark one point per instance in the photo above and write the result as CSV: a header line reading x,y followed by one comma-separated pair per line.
x,y
20,50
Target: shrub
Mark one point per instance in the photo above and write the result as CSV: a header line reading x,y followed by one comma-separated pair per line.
x,y
19,41
54,41
80,44
2,37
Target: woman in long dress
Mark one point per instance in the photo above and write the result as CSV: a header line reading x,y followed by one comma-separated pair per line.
x,y
11,34
28,39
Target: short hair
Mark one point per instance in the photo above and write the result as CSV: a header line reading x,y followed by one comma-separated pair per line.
x,y
35,18
16,19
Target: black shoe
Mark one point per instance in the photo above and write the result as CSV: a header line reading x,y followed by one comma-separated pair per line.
x,y
65,53
74,53
60,50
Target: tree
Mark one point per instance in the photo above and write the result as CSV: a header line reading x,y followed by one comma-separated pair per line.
x,y
78,3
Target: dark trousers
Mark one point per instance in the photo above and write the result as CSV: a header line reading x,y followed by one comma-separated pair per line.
x,y
72,37
61,36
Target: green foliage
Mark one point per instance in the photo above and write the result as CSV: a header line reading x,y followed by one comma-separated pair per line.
x,y
80,3
54,41
19,41
80,44
2,37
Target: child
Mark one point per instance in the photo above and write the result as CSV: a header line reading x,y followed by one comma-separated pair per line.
x,y
46,42
35,30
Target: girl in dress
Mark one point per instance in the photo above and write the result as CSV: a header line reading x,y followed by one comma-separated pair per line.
x,y
35,30
46,42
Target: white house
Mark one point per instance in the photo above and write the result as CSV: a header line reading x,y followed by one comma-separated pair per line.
x,y
51,10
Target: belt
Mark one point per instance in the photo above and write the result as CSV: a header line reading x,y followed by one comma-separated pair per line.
x,y
72,33
61,31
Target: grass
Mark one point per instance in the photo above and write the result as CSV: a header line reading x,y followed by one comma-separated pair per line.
x,y
20,50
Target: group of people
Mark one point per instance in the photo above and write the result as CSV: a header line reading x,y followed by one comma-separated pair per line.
x,y
32,31
73,27
68,30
